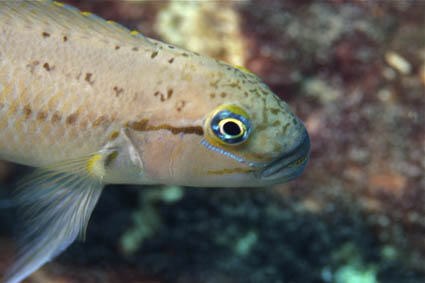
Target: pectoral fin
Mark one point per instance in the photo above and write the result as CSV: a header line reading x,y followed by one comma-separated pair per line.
x,y
56,204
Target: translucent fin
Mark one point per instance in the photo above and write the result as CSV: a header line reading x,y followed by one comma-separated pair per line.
x,y
55,204
54,16
6,203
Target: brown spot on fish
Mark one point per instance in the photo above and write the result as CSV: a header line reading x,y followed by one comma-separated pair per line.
x,y
135,49
114,135
214,84
246,94
56,117
27,111
47,67
162,96
118,91
153,55
285,128
242,76
71,119
117,47
41,116
171,47
185,55
212,95
65,38
223,94
275,110
140,125
32,65
276,123
180,105
234,85
171,60
88,78
45,34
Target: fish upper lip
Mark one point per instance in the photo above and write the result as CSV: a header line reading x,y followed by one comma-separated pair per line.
x,y
294,158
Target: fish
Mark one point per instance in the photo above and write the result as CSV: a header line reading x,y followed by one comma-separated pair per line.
x,y
88,103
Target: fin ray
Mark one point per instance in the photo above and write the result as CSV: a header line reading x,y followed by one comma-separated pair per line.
x,y
55,209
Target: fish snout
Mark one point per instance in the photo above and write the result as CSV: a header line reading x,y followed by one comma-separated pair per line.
x,y
289,165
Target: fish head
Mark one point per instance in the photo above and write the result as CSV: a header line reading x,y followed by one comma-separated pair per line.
x,y
233,131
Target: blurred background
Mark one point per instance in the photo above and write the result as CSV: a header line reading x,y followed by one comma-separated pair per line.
x,y
354,72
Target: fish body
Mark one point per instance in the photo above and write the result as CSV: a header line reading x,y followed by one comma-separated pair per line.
x,y
92,103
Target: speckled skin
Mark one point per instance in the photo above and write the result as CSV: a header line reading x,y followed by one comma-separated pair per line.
x,y
70,82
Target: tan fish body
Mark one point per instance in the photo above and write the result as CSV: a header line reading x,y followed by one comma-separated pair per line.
x,y
92,103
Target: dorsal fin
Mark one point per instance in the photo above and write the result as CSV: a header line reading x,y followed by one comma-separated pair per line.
x,y
53,16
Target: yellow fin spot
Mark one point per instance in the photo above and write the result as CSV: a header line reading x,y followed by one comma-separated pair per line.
x,y
95,166
134,32
86,13
112,22
243,69
114,135
59,4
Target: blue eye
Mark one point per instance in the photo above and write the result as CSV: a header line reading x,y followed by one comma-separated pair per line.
x,y
230,128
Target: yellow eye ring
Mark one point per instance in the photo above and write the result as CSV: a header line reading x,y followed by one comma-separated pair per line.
x,y
231,128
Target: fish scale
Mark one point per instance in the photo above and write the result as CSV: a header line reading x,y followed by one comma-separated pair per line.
x,y
90,103
66,81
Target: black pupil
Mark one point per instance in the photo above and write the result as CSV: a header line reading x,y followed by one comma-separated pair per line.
x,y
231,129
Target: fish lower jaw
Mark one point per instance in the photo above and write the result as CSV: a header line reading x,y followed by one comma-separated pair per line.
x,y
285,173
289,166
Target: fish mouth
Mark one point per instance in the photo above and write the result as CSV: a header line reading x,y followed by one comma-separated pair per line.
x,y
289,165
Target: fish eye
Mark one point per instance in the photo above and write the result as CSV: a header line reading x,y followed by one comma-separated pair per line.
x,y
231,127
